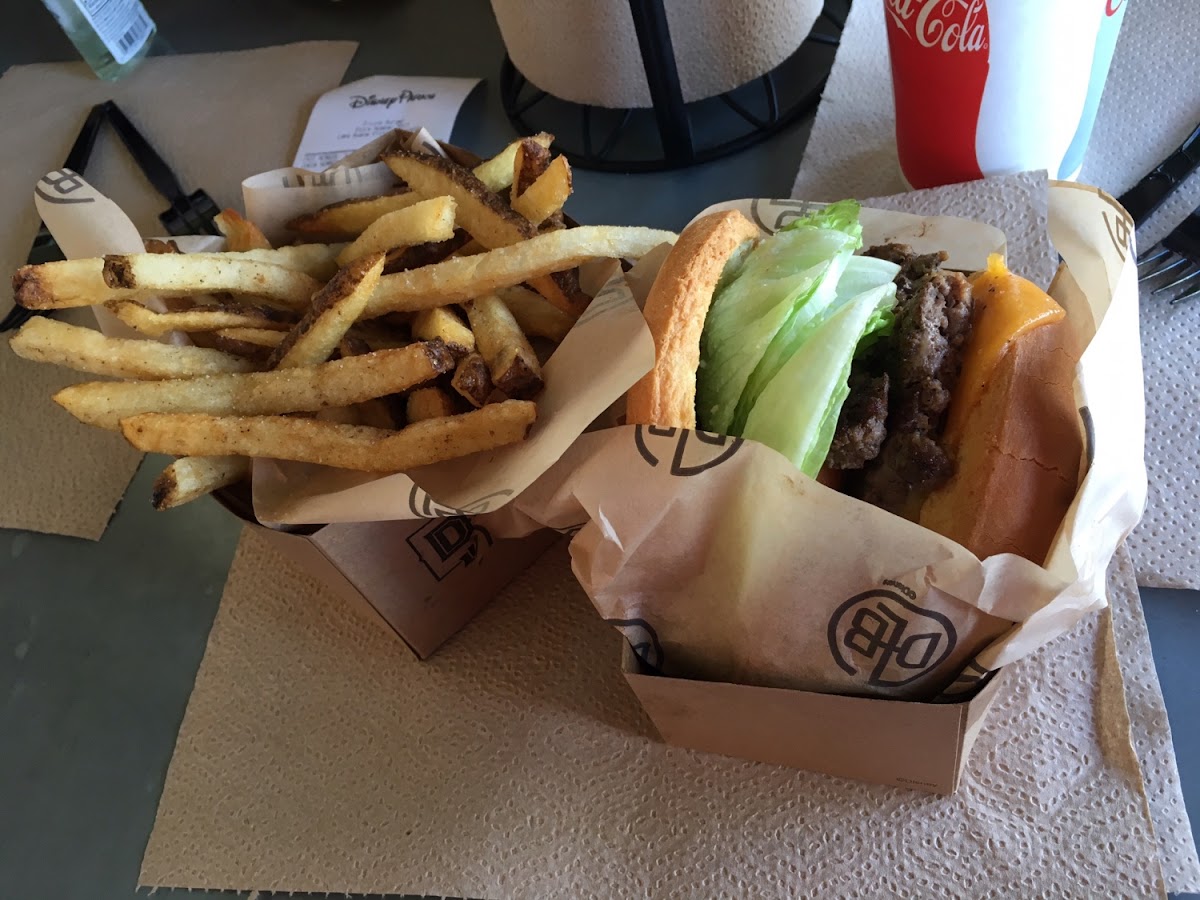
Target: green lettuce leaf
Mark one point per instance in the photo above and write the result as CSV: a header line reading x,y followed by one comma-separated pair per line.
x,y
798,410
783,285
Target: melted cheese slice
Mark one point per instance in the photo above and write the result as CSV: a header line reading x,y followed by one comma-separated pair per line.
x,y
1006,307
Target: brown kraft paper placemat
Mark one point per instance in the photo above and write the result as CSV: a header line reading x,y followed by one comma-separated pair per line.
x,y
316,756
215,118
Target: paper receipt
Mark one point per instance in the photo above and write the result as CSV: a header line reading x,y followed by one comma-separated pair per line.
x,y
355,114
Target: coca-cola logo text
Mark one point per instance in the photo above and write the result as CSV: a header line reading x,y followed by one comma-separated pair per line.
x,y
1112,6
949,25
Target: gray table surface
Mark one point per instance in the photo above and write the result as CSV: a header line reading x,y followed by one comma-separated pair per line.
x,y
100,642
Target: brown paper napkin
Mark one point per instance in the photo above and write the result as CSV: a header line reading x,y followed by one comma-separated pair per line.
x,y
215,118
315,755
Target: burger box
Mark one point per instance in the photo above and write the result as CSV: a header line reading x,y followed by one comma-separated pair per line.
x,y
902,743
423,577
671,552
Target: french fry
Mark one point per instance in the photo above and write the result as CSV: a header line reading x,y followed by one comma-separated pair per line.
x,y
440,322
63,284
196,273
382,412
259,337
308,389
80,282
345,446
403,258
422,223
531,160
547,194
510,358
85,350
472,380
536,315
317,260
334,309
348,219
497,172
240,233
463,278
480,211
192,477
199,318
430,403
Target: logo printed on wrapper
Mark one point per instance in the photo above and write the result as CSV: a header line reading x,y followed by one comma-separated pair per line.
x,y
883,630
1120,227
771,215
642,640
442,545
422,505
57,187
693,451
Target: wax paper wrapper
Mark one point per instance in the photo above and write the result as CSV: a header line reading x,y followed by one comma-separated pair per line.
x,y
719,561
606,351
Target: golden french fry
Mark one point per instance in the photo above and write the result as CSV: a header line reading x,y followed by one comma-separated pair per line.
x,y
333,311
440,322
472,380
308,389
180,274
462,278
530,161
510,358
199,318
350,218
317,260
430,403
259,337
497,172
64,283
240,233
194,476
422,223
480,211
536,315
85,350
547,194
344,446
80,282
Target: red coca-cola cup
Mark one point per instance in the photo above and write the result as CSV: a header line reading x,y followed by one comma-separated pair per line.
x,y
992,87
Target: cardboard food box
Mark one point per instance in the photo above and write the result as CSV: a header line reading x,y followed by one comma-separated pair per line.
x,y
771,618
423,580
411,551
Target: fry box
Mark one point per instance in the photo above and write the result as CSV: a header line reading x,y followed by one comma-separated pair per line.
x,y
771,618
406,544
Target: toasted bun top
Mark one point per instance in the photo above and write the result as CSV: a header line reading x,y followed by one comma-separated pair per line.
x,y
675,311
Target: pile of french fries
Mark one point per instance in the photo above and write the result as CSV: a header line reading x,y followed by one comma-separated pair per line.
x,y
398,331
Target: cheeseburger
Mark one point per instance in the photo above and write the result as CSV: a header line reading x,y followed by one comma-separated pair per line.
x,y
942,398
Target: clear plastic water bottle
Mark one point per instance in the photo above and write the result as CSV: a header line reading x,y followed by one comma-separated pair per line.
x,y
112,36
